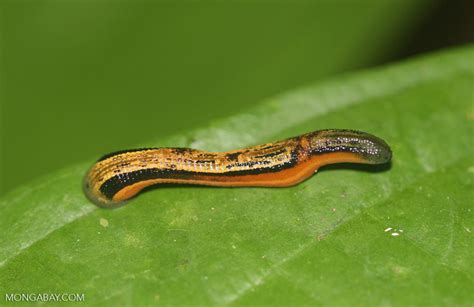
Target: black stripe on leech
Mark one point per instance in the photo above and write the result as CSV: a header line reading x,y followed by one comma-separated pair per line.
x,y
112,185
271,154
248,164
233,156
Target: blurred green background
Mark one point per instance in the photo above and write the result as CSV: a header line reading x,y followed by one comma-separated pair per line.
x,y
83,78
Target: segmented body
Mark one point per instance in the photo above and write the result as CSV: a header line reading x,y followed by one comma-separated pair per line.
x,y
121,175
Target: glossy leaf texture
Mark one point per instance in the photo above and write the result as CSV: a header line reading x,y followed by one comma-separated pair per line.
x,y
400,235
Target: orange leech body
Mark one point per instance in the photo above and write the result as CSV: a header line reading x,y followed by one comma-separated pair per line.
x,y
120,176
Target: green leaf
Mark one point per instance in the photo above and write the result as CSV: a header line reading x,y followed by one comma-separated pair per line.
x,y
326,241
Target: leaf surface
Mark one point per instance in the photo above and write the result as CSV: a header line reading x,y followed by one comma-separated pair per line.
x,y
332,240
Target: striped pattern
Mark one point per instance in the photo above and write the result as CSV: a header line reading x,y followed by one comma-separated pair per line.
x,y
120,175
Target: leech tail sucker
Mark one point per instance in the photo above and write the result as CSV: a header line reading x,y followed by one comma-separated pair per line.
x,y
119,176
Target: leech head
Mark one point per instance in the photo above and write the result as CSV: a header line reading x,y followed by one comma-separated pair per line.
x,y
365,147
